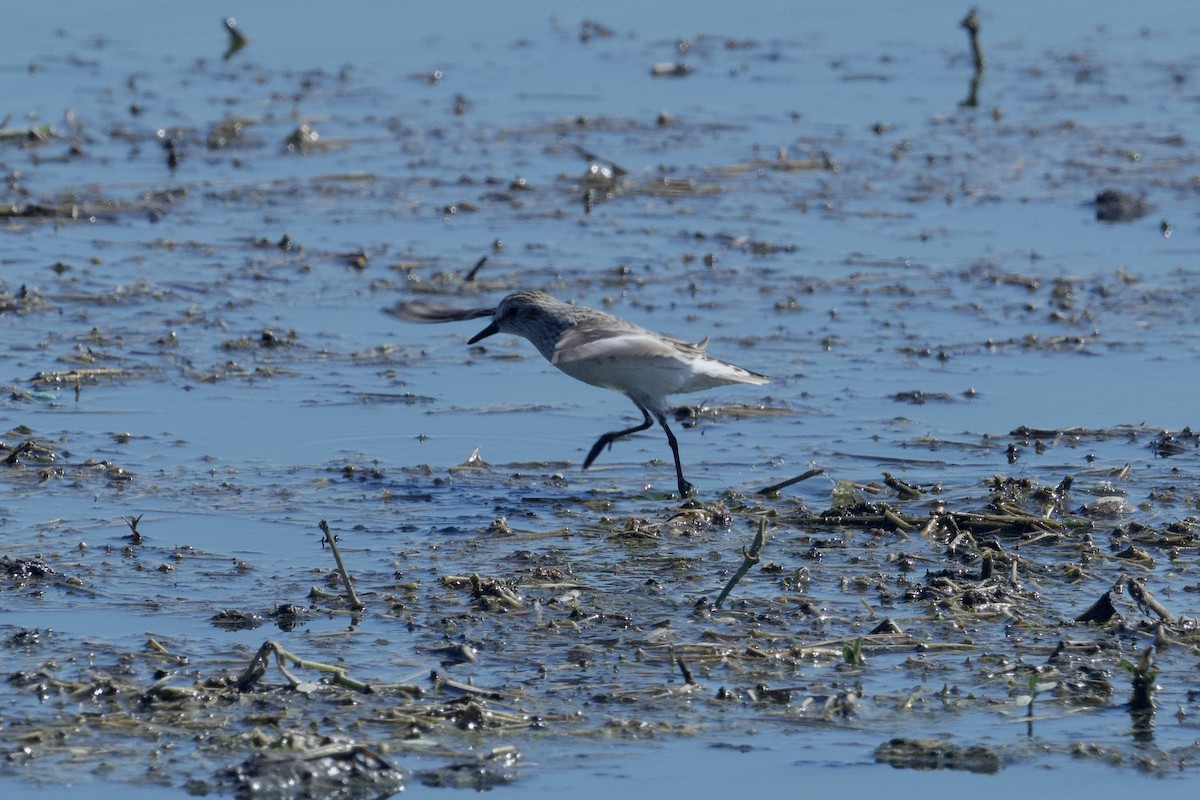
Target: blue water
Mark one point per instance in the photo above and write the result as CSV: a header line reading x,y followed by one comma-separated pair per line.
x,y
887,261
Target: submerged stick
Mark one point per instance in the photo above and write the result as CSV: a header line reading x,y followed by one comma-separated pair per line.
x,y
1142,699
254,670
971,24
749,559
441,682
237,39
475,270
688,678
135,535
775,487
340,678
1138,591
258,667
355,603
906,490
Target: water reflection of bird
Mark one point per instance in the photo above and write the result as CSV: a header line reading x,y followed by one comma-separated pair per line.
x,y
598,348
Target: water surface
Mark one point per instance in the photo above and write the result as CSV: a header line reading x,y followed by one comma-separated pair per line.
x,y
921,278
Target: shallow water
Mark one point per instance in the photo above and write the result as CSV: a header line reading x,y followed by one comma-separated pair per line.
x,y
919,278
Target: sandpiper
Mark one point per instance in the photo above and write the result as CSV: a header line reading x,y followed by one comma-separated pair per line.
x,y
598,348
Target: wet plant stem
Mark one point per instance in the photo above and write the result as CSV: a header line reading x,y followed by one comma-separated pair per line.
x,y
897,521
237,39
1033,690
688,678
1144,674
475,270
971,24
964,521
442,682
355,603
1138,591
852,653
258,667
135,535
749,559
775,487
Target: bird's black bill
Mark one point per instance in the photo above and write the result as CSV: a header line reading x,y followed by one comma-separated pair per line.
x,y
483,334
423,311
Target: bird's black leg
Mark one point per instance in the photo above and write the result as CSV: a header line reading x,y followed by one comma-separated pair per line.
x,y
685,488
607,439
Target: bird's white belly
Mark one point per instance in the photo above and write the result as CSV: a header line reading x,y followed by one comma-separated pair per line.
x,y
650,377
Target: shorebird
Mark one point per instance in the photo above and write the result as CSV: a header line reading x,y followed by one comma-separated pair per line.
x,y
598,348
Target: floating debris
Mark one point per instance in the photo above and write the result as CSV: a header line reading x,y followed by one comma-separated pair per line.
x,y
934,754
303,766
1115,205
670,70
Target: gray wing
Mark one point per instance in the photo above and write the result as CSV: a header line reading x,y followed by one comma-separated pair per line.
x,y
619,340
424,311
